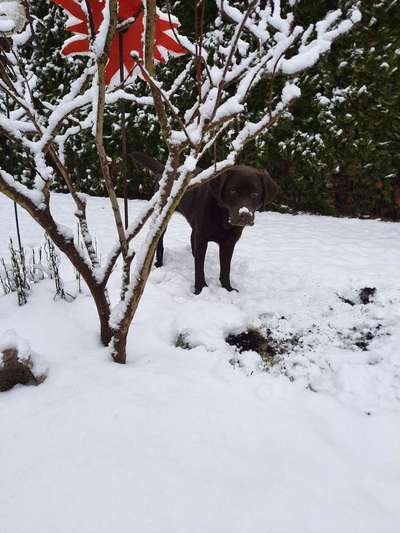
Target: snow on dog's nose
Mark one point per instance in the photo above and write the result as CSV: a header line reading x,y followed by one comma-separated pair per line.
x,y
246,217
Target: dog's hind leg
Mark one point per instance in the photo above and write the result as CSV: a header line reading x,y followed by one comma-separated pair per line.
x,y
192,242
200,249
160,251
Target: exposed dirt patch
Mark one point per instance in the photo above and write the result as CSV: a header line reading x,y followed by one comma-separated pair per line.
x,y
252,339
16,371
364,296
274,344
264,343
363,338
182,342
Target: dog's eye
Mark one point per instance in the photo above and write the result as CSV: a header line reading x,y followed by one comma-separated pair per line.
x,y
233,192
255,194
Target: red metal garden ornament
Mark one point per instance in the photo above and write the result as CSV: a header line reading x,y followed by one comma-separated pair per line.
x,y
133,38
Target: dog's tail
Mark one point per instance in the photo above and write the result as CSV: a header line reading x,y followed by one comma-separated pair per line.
x,y
148,162
153,165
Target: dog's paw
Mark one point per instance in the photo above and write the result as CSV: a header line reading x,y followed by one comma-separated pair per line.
x,y
197,290
229,288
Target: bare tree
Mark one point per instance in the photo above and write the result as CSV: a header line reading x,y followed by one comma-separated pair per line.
x,y
258,43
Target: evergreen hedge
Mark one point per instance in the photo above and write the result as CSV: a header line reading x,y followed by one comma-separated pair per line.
x,y
337,153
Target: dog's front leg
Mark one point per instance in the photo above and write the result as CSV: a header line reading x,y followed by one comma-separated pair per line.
x,y
225,257
200,249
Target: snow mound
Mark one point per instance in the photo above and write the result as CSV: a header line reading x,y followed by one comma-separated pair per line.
x,y
9,340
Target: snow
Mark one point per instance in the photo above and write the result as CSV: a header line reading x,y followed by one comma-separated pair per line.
x,y
10,340
356,16
181,441
12,17
190,163
6,25
290,92
34,195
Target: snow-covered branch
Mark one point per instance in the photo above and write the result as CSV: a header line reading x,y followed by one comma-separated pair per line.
x,y
249,47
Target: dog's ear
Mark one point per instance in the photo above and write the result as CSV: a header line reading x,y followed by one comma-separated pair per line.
x,y
148,162
217,185
269,186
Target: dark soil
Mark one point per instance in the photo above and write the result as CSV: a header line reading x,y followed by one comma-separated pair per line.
x,y
15,371
182,342
365,296
16,374
254,340
364,338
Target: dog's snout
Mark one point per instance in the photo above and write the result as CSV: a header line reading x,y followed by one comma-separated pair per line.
x,y
245,213
245,216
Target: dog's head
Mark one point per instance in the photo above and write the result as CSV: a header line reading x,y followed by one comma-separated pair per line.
x,y
243,190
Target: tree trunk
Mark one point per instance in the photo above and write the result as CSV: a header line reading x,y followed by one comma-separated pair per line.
x,y
118,351
103,311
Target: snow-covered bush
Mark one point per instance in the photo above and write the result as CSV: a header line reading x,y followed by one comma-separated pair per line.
x,y
254,44
23,268
339,152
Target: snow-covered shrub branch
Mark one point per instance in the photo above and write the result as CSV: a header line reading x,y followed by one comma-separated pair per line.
x,y
255,45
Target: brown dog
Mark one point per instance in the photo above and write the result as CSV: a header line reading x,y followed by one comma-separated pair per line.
x,y
218,211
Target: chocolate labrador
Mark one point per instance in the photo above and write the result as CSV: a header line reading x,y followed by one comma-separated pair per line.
x,y
218,211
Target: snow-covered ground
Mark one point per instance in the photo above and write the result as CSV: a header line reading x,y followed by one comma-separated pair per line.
x,y
182,440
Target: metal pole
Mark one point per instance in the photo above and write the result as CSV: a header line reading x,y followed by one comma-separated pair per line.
x,y
17,225
15,204
123,131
